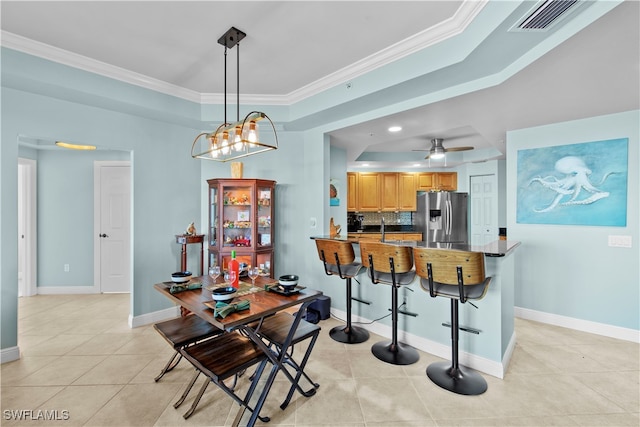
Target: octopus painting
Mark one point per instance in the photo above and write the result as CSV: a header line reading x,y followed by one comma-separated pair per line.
x,y
576,179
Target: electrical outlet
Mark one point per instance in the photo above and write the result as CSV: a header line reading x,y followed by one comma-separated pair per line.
x,y
66,268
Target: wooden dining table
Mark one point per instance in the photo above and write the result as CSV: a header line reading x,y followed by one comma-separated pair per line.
x,y
262,303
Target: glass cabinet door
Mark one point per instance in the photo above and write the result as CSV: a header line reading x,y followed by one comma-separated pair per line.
x,y
264,217
237,216
213,224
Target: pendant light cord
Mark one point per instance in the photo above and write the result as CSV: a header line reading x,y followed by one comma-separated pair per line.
x,y
225,84
238,83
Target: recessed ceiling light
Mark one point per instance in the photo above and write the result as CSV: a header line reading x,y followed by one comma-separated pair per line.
x,y
395,129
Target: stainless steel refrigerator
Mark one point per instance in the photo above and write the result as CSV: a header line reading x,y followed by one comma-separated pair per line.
x,y
442,217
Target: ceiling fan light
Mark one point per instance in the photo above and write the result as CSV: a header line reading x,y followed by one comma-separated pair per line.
x,y
437,153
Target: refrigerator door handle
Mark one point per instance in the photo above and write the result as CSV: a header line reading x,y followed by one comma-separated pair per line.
x,y
447,218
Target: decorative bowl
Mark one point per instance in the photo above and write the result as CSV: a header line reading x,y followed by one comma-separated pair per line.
x,y
288,281
181,276
224,294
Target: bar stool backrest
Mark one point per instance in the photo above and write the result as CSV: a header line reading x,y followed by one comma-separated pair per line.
x,y
344,250
381,252
446,265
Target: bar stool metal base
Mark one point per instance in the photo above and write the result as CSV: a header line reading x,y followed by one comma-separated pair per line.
x,y
349,334
398,354
461,380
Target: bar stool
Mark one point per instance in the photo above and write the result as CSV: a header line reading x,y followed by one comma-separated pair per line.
x,y
459,276
392,265
338,258
181,332
274,330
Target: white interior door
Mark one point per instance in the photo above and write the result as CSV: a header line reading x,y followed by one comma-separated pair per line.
x,y
113,234
484,209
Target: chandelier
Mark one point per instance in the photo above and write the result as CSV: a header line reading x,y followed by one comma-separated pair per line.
x,y
231,141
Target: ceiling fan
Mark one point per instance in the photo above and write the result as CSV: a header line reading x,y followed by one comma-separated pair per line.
x,y
437,150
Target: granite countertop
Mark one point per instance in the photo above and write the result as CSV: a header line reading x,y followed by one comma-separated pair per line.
x,y
498,248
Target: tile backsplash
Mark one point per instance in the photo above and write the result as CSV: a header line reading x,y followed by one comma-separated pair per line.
x,y
398,218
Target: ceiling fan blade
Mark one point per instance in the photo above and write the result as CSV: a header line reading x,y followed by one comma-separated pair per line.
x,y
458,149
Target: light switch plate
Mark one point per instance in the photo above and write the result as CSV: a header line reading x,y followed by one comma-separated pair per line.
x,y
620,241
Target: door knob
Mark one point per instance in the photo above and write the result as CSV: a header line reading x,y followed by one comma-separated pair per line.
x,y
102,235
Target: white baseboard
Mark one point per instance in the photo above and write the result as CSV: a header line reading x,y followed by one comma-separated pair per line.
x,y
490,367
66,290
579,324
154,317
9,354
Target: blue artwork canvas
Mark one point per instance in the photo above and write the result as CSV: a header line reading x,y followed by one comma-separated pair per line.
x,y
574,184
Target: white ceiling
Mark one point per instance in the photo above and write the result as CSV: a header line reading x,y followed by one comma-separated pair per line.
x,y
294,49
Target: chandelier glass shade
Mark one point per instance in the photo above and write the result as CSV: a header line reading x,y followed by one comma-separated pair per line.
x,y
231,141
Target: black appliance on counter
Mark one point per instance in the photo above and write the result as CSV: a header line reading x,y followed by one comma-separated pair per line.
x,y
355,222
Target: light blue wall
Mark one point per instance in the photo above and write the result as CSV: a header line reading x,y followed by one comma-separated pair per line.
x,y
570,270
65,215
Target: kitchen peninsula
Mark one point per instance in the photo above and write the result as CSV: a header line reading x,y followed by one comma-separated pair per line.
x,y
487,336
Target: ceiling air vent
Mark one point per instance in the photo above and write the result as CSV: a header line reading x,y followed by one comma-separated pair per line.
x,y
545,14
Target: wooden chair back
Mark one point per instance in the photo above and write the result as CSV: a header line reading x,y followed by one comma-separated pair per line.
x,y
444,263
381,252
343,248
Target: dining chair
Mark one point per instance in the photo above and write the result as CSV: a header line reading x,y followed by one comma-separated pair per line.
x,y
459,276
392,265
274,329
220,358
181,332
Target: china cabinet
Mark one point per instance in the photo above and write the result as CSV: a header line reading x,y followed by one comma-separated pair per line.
x,y
241,219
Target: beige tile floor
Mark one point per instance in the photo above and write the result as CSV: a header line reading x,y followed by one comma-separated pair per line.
x,y
79,358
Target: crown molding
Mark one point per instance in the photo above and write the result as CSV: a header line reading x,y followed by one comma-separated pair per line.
x,y
444,30
61,56
436,34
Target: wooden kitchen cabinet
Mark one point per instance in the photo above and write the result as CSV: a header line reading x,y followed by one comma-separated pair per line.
x,y
388,192
428,181
352,191
447,181
407,192
368,194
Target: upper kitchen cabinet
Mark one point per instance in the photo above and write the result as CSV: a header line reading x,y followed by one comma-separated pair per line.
x,y
388,192
368,194
407,191
445,181
381,192
352,191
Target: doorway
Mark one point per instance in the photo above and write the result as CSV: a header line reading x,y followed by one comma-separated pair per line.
x,y
27,227
112,226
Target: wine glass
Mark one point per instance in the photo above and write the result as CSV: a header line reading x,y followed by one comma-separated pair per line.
x,y
229,277
214,273
254,272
